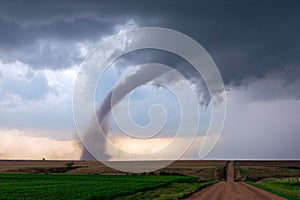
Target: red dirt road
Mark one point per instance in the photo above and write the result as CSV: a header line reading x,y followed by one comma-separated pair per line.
x,y
233,190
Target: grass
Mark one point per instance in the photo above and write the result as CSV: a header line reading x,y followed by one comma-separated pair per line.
x,y
63,186
288,187
169,192
255,174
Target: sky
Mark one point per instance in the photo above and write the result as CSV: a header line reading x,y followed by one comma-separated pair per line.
x,y
255,45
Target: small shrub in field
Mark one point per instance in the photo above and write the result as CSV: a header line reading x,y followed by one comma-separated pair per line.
x,y
69,165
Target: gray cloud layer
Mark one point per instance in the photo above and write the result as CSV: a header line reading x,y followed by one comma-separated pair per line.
x,y
248,39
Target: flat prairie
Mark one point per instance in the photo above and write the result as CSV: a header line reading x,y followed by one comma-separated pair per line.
x,y
206,170
191,179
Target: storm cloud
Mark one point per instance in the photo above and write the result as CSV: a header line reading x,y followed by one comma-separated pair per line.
x,y
260,36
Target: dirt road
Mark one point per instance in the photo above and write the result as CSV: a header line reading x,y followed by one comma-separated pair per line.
x,y
231,190
230,172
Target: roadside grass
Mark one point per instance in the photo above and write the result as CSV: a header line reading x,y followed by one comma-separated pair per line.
x,y
169,192
255,174
65,186
286,187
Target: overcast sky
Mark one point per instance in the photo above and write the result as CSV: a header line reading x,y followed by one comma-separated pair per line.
x,y
255,44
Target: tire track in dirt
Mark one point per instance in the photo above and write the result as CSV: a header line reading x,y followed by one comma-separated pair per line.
x,y
233,190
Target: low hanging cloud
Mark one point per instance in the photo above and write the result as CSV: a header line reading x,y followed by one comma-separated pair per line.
x,y
140,149
15,144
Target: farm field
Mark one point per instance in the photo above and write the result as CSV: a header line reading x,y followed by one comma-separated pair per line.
x,y
204,170
62,186
258,170
201,179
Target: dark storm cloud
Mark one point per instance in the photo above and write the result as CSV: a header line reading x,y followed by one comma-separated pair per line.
x,y
246,39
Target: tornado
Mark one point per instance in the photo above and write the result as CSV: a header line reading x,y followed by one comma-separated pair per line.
x,y
141,76
193,60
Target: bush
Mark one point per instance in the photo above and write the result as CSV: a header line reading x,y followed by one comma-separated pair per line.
x,y
69,165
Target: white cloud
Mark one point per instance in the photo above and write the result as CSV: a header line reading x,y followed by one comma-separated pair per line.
x,y
26,104
129,25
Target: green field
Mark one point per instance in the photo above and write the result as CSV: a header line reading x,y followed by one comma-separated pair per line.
x,y
288,187
170,191
62,186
